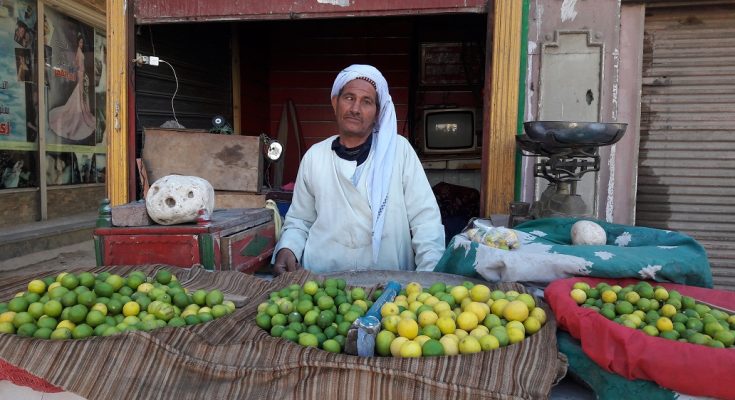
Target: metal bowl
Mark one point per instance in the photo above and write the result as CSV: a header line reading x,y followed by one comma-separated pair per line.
x,y
560,133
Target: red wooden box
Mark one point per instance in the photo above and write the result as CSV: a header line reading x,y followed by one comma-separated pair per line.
x,y
240,239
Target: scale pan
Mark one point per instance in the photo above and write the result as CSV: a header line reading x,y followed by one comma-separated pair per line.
x,y
574,133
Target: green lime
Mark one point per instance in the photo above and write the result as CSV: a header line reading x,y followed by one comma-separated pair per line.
x,y
277,330
7,327
181,300
21,318
94,318
177,322
297,327
163,276
60,334
295,317
308,340
27,329
47,322
325,319
36,310
68,299
103,289
18,304
278,319
291,335
432,348
214,297
114,307
330,331
205,317
70,281
432,331
82,331
78,313
42,333
134,281
343,328
87,298
332,346
311,317
32,297
86,279
193,320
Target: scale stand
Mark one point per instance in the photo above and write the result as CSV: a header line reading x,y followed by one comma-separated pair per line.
x,y
565,151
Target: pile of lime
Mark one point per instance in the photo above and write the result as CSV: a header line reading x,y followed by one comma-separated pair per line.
x,y
86,304
317,314
450,320
658,312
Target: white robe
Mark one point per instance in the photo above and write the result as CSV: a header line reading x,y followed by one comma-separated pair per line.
x,y
329,225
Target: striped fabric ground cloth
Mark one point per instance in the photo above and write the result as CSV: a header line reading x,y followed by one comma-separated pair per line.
x,y
231,358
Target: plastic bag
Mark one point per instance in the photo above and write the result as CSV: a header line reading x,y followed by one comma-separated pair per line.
x,y
492,236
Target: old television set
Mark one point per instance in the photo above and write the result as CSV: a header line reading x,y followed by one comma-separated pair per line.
x,y
449,131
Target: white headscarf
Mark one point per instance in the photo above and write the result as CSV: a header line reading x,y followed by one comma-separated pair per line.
x,y
384,144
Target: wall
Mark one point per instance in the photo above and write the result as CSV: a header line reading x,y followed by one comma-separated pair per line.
x,y
572,74
304,57
74,200
19,207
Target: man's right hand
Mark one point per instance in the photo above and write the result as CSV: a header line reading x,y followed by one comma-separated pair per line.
x,y
285,262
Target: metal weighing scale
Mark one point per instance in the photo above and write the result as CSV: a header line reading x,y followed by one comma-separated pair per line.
x,y
565,151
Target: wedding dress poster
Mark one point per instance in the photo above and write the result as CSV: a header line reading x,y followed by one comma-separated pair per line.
x,y
18,93
71,100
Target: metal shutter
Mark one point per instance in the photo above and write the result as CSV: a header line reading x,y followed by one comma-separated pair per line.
x,y
686,167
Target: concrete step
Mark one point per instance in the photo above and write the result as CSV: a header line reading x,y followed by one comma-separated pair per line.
x,y
23,239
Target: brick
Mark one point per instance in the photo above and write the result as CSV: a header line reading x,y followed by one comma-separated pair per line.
x,y
131,214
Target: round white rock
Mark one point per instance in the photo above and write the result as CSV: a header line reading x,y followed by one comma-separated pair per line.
x,y
588,233
177,199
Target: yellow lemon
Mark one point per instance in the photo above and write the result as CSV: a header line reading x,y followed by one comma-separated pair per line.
x,y
515,335
609,296
415,306
578,295
441,306
469,345
489,303
539,314
528,300
37,286
413,287
7,316
446,325
431,301
61,276
451,347
668,310
66,324
423,296
421,339
408,314
459,293
661,294
145,287
532,325
664,324
408,328
447,314
411,298
516,310
101,307
131,308
428,318
480,331
399,298
515,324
498,306
480,293
489,342
465,302
390,323
389,309
460,333
410,349
53,286
395,346
452,336
467,321
477,309
581,285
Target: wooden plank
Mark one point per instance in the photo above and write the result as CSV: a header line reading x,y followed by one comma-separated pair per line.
x,y
224,199
228,162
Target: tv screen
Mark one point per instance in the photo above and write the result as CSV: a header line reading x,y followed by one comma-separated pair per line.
x,y
449,131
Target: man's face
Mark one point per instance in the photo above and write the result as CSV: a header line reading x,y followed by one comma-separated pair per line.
x,y
356,108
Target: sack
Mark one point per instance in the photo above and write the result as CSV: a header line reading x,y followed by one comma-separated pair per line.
x,y
546,254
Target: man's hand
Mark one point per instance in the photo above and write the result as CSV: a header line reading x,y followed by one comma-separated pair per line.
x,y
285,262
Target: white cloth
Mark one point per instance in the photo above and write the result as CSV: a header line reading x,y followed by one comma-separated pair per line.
x,y
328,225
383,148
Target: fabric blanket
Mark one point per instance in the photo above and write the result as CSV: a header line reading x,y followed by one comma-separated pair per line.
x,y
232,358
547,254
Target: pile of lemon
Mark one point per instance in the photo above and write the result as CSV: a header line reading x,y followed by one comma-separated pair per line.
x,y
77,306
450,320
317,314
658,312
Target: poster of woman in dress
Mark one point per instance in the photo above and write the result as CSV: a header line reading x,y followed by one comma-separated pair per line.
x,y
71,119
100,84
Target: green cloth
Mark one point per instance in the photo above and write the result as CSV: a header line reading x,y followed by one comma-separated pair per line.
x,y
546,254
606,385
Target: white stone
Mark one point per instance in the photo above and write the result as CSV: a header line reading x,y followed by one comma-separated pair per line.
x,y
588,232
177,199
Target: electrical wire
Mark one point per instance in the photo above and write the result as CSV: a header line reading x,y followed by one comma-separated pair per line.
x,y
175,91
